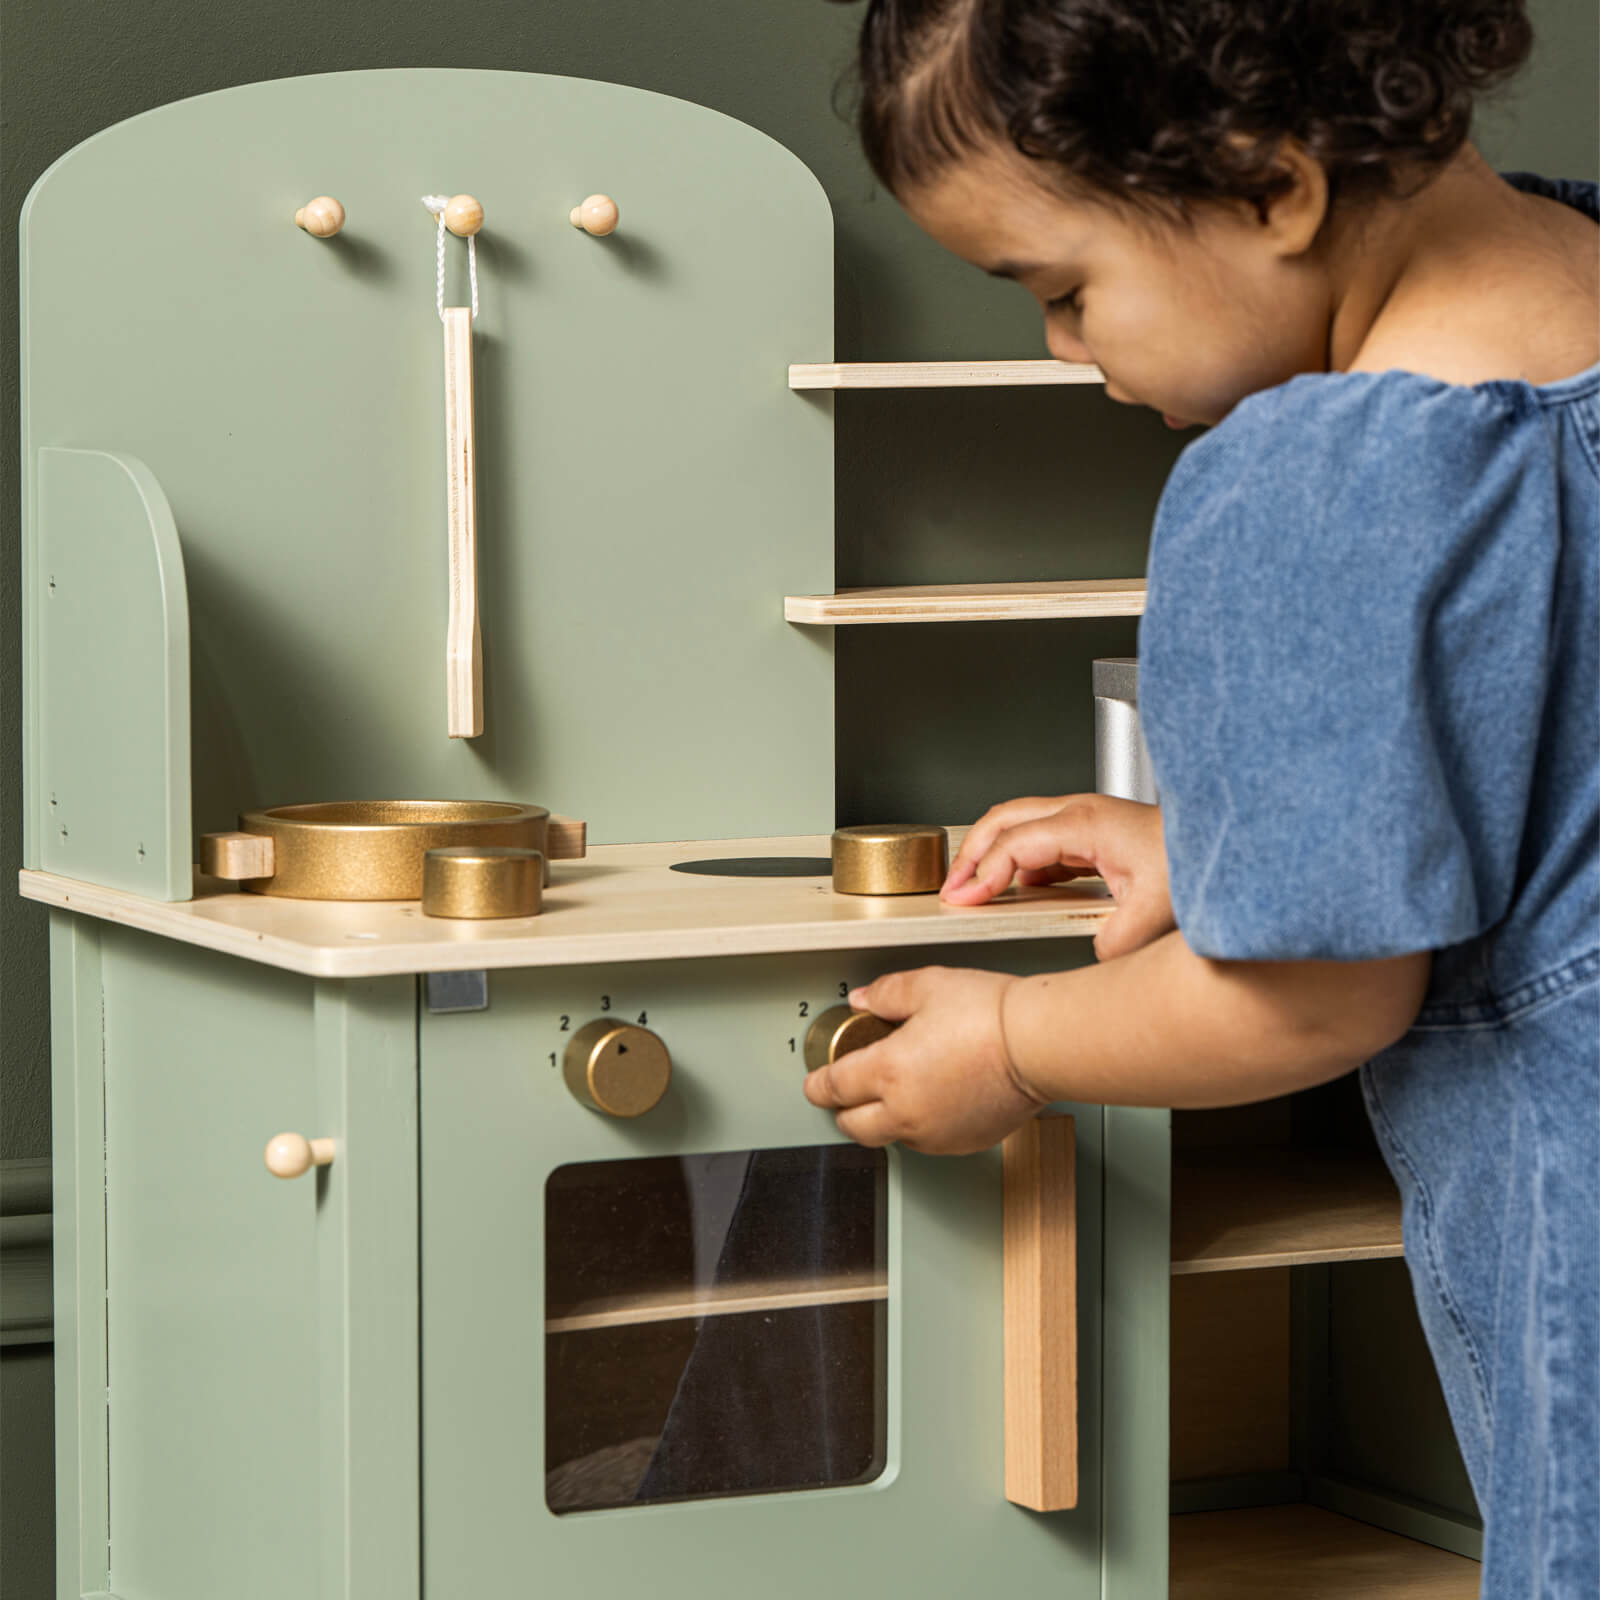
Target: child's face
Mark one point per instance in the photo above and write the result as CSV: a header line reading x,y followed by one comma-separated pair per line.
x,y
1187,318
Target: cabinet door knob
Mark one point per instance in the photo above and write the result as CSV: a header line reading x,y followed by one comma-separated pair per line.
x,y
289,1155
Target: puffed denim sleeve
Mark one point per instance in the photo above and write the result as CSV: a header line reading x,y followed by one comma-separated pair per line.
x,y
1343,665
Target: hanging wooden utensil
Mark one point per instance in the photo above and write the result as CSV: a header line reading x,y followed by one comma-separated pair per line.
x,y
463,216
464,641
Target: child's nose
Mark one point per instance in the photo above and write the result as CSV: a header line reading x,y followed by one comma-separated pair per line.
x,y
1064,347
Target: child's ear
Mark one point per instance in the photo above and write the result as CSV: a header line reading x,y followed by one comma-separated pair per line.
x,y
1294,214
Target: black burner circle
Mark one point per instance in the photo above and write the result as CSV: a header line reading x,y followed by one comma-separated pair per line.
x,y
760,867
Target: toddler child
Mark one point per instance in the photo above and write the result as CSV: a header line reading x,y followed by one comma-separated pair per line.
x,y
1370,659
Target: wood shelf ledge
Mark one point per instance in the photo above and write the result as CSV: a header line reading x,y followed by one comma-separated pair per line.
x,y
938,374
971,602
1244,1206
723,1300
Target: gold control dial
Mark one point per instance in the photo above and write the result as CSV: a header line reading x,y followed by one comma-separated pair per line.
x,y
617,1067
838,1031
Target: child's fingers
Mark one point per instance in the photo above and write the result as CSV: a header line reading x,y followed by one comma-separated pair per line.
x,y
1033,876
893,997
852,1080
871,1125
983,833
1138,920
1033,847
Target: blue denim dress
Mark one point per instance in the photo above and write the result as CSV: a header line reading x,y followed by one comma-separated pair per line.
x,y
1370,685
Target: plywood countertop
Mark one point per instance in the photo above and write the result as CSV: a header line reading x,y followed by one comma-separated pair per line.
x,y
621,903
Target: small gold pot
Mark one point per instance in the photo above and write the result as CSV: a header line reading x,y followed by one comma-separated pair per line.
x,y
899,858
372,849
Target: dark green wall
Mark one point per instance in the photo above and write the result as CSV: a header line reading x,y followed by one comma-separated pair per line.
x,y
933,722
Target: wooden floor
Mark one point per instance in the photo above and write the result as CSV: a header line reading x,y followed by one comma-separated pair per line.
x,y
1299,1552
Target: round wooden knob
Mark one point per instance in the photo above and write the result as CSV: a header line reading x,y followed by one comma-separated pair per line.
x,y
463,216
290,1155
322,217
597,215
838,1031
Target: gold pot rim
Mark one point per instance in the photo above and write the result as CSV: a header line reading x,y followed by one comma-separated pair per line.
x,y
386,816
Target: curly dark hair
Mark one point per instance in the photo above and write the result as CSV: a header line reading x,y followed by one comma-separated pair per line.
x,y
1179,101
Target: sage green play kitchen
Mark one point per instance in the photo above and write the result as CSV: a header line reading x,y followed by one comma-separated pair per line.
x,y
394,438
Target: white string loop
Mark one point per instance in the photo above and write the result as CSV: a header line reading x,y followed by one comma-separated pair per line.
x,y
436,204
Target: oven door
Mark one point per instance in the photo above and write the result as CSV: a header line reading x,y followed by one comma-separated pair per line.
x,y
715,1347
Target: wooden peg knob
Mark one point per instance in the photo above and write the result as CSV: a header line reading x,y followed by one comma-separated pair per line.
x,y
597,215
463,216
291,1154
322,217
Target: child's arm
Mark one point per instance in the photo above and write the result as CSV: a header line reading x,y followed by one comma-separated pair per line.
x,y
1166,1027
980,1052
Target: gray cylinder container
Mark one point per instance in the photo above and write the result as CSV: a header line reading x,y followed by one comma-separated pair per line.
x,y
1121,762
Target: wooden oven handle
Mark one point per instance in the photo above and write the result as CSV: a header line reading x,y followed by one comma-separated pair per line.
x,y
1040,1240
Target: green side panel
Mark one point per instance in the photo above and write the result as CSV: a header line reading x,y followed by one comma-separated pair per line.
x,y
648,487
1387,1426
1137,1322
108,787
497,1119
79,1250
251,1353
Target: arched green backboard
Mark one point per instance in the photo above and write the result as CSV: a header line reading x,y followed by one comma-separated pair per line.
x,y
648,488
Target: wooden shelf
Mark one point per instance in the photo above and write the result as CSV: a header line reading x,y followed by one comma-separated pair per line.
x,y
1279,1206
938,374
621,903
1301,1551
971,602
723,1301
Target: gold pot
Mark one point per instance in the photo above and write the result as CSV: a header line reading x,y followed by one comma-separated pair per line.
x,y
372,849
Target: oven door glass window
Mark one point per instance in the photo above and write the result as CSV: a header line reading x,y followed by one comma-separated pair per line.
x,y
715,1325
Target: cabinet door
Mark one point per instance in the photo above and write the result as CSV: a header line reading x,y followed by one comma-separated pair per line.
x,y
237,1378
714,1345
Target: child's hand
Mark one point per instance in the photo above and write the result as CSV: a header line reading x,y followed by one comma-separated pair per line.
x,y
943,1082
1048,840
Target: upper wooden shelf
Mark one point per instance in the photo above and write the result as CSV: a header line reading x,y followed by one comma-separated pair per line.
x,y
938,374
1238,1206
971,602
620,903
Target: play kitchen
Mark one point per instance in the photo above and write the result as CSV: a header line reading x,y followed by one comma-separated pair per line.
x,y
567,1282
552,1280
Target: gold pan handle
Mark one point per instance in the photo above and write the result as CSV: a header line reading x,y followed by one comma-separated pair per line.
x,y
237,856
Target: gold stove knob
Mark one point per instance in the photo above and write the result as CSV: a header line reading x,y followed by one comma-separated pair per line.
x,y
617,1067
838,1031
